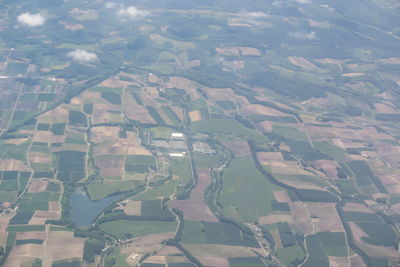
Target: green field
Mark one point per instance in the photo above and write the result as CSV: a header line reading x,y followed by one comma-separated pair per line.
x,y
360,168
100,190
334,151
352,216
154,209
225,126
316,253
123,228
289,132
97,84
111,97
380,234
193,232
25,228
242,262
71,166
164,190
159,132
227,234
334,243
118,258
207,161
181,168
290,255
246,194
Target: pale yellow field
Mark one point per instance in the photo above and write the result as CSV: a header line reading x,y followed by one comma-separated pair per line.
x,y
133,208
13,165
195,115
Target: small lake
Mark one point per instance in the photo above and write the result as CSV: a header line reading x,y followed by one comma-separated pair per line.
x,y
84,210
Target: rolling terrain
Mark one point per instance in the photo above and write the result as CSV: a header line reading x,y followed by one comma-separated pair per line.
x,y
199,133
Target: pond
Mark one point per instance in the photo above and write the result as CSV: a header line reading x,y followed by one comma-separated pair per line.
x,y
84,210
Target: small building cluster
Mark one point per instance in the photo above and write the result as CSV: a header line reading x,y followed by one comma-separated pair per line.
x,y
203,148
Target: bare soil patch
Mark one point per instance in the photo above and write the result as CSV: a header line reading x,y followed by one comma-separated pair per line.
x,y
16,141
338,62
355,207
156,259
265,157
391,60
195,115
153,78
357,261
115,82
4,220
100,134
384,108
31,235
266,126
301,217
326,217
277,238
228,51
63,245
13,165
214,261
21,253
54,206
133,208
220,94
327,166
281,196
168,250
56,115
302,63
37,185
185,84
260,109
110,167
239,148
41,216
178,111
338,261
37,157
139,113
144,245
287,167
249,51
195,208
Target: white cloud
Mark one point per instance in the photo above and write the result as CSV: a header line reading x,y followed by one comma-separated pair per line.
x,y
277,3
110,5
132,12
255,15
303,36
31,20
82,56
302,1
330,9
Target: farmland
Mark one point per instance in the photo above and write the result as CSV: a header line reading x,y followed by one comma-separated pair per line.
x,y
180,133
122,228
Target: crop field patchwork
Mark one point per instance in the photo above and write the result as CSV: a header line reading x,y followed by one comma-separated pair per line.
x,y
197,133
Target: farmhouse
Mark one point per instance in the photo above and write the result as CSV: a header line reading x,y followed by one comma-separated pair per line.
x,y
177,135
177,155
